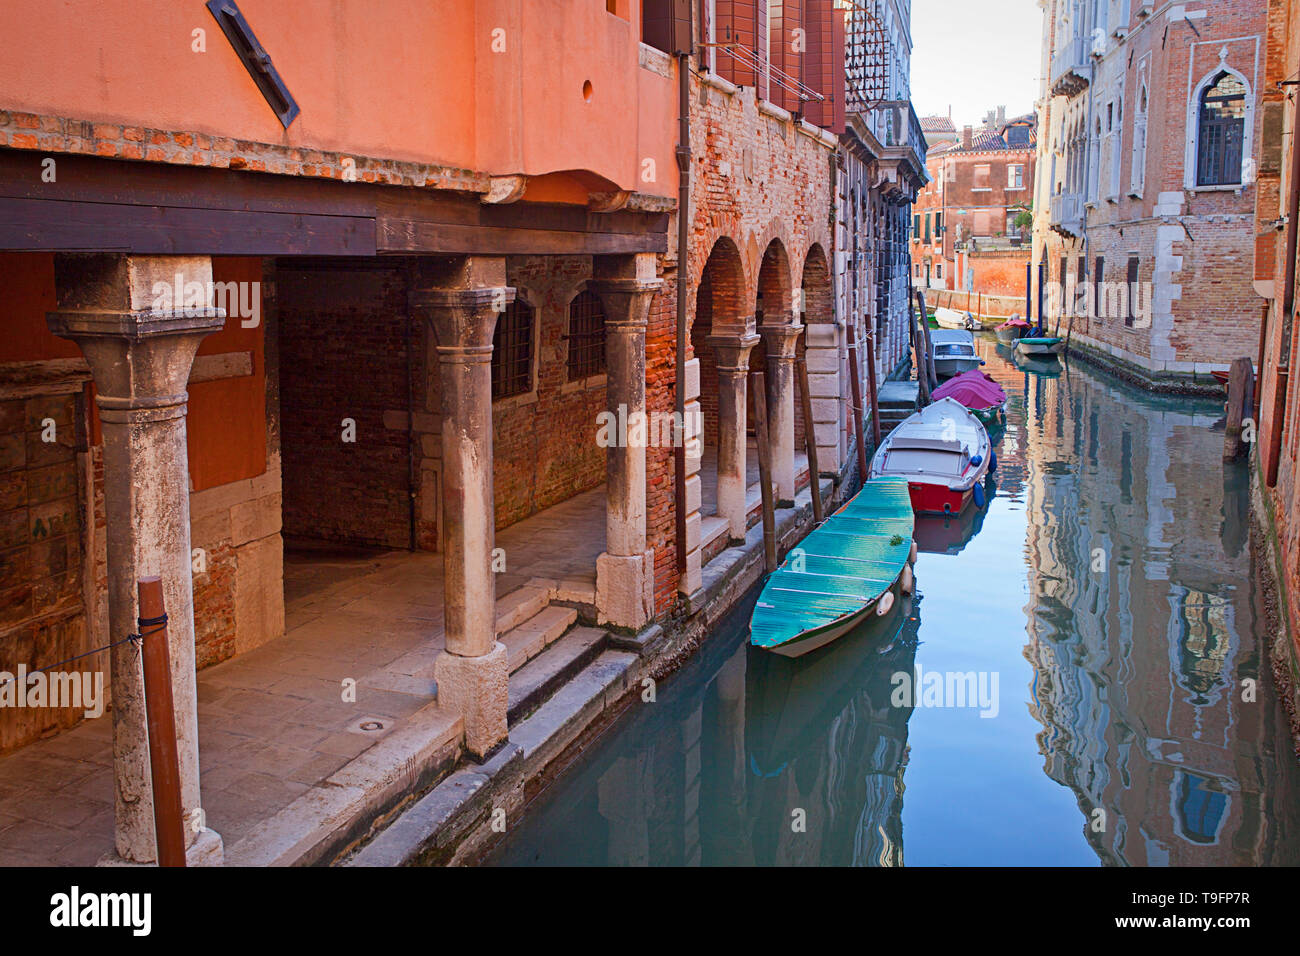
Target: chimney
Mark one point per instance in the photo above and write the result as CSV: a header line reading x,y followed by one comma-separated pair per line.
x,y
967,138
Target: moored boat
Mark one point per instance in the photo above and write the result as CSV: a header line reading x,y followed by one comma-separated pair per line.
x,y
853,567
976,390
1011,331
954,352
944,452
953,319
1039,346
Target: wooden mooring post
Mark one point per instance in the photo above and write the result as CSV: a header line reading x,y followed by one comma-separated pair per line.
x,y
872,389
809,432
855,386
758,387
160,720
1239,400
933,375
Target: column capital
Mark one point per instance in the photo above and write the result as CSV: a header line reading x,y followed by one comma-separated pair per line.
x,y
139,321
462,320
733,350
626,300
780,340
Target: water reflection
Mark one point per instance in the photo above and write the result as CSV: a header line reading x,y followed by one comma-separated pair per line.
x,y
1143,629
1108,583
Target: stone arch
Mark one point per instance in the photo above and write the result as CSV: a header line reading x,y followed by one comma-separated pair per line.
x,y
774,300
820,350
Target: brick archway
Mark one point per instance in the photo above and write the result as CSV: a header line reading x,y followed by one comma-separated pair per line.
x,y
821,351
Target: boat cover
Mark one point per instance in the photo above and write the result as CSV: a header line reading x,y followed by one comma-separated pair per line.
x,y
974,389
840,568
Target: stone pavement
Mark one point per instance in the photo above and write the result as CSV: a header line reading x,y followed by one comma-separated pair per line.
x,y
272,722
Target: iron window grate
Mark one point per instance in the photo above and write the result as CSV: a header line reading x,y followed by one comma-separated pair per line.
x,y
586,337
512,352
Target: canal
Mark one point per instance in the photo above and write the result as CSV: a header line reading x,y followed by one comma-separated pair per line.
x,y
1100,616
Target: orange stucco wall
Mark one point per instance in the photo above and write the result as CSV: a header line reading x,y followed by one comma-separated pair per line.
x,y
227,418
410,80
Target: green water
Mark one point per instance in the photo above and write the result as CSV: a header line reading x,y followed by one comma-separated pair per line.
x,y
1103,604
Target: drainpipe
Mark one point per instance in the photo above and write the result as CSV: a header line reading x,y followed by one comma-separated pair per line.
x,y
683,272
1288,304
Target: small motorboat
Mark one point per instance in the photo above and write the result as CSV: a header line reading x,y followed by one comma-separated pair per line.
x,y
944,453
953,319
842,574
977,391
1039,346
1011,331
954,352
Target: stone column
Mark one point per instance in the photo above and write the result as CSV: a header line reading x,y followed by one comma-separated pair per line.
x,y
139,320
779,342
461,300
625,572
733,365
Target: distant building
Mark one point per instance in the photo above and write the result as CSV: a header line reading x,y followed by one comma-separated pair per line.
x,y
1145,189
964,232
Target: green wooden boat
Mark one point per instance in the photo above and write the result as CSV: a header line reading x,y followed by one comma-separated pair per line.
x,y
841,574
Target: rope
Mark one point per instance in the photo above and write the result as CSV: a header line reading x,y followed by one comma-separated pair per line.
x,y
155,624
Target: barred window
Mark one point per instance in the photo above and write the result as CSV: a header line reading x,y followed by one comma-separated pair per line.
x,y
1221,132
586,337
512,352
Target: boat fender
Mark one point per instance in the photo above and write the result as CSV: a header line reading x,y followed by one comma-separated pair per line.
x,y
906,580
947,508
993,461
884,604
976,460
911,557
979,496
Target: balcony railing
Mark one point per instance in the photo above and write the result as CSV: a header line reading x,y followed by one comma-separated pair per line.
x,y
899,126
1071,69
1067,213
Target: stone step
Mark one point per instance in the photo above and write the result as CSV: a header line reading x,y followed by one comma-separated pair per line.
x,y
530,638
519,605
537,680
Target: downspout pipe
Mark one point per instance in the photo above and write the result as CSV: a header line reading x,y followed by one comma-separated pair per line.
x,y
683,275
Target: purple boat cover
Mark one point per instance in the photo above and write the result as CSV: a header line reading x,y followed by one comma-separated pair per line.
x,y
1015,322
974,389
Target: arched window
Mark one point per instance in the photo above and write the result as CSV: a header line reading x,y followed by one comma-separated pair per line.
x,y
1221,131
586,337
512,352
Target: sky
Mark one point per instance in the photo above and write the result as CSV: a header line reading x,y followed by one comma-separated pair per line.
x,y
975,55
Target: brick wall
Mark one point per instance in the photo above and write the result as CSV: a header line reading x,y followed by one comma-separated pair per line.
x,y
343,355
544,447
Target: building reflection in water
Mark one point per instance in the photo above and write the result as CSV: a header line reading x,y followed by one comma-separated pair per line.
x,y
1143,628
765,761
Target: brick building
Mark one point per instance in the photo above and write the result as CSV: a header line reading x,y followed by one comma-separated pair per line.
x,y
333,366
964,232
1277,486
881,170
1149,122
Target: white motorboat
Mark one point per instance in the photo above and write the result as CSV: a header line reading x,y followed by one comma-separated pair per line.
x,y
944,453
954,352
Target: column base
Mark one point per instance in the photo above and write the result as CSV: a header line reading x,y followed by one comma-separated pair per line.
x,y
476,688
206,850
625,589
